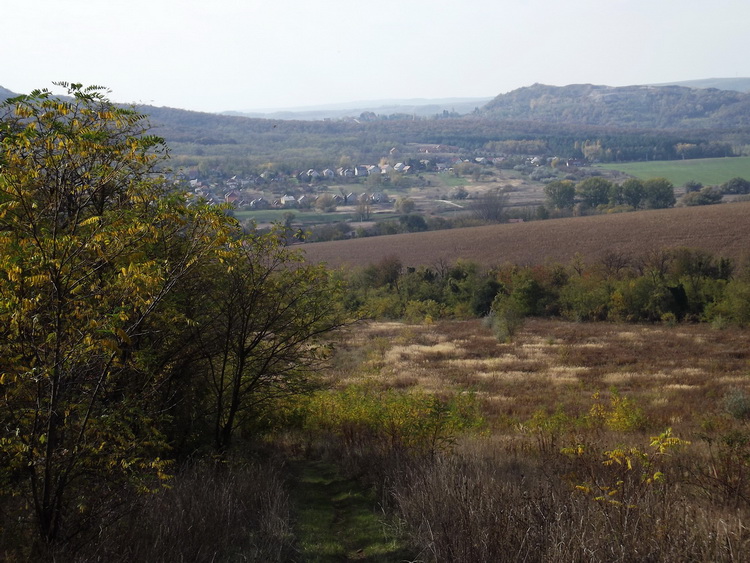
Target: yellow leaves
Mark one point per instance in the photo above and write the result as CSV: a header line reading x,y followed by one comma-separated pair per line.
x,y
666,441
95,220
122,335
14,274
577,450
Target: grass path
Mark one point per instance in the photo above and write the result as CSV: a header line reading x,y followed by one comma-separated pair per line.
x,y
336,518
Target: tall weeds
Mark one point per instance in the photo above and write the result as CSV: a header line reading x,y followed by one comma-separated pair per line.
x,y
210,513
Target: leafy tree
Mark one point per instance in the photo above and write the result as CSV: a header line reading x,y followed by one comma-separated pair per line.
x,y
594,191
259,329
706,196
92,247
326,203
659,193
736,186
405,205
560,194
633,192
413,223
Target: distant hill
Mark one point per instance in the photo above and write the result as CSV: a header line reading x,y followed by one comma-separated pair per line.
x,y
645,107
719,229
415,107
736,84
5,94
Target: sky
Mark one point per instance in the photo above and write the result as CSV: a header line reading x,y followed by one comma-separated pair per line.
x,y
250,55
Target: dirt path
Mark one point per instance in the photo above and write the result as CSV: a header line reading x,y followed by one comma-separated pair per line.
x,y
336,519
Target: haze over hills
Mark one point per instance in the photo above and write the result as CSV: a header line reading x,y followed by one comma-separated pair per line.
x,y
710,102
738,84
419,107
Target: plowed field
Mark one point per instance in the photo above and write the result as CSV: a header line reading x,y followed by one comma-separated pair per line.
x,y
723,230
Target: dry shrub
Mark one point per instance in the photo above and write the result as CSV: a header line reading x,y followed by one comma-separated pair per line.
x,y
495,506
210,513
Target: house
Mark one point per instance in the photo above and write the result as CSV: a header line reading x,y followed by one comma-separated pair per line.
x,y
328,173
260,203
288,201
361,170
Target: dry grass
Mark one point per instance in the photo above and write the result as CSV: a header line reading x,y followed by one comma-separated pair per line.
x,y
516,493
673,373
210,513
718,229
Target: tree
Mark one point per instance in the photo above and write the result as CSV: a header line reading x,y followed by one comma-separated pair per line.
x,y
259,329
706,196
92,246
405,205
633,192
560,194
364,208
326,203
490,206
594,191
658,193
413,223
736,186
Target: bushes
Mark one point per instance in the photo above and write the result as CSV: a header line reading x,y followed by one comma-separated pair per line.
x,y
659,286
362,418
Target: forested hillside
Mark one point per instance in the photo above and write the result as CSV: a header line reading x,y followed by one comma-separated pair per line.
x,y
621,124
646,107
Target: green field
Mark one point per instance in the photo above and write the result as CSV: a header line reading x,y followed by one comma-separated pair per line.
x,y
301,216
708,171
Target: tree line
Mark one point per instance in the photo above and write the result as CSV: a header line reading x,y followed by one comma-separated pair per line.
x,y
668,285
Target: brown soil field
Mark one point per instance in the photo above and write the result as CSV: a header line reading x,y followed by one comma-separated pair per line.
x,y
719,229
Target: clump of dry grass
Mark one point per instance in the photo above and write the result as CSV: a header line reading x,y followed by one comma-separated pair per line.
x,y
210,513
489,504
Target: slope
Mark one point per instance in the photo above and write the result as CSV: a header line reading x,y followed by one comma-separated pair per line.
x,y
719,229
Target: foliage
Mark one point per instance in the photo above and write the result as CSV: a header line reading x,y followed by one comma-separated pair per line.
x,y
675,285
622,414
92,246
594,191
560,194
705,196
490,207
413,422
659,193
257,334
131,317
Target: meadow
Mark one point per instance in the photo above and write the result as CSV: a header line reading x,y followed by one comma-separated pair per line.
x,y
707,171
573,442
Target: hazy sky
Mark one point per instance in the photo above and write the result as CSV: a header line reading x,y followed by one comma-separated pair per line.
x,y
216,55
